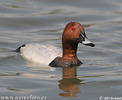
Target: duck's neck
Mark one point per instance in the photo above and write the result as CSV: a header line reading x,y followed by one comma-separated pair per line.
x,y
69,50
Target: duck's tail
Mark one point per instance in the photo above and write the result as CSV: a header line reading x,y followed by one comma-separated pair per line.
x,y
18,49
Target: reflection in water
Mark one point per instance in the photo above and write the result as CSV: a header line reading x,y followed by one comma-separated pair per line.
x,y
69,83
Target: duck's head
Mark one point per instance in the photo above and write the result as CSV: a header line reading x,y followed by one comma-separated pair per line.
x,y
74,33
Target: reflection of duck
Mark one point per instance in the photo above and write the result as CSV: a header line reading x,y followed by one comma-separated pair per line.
x,y
69,83
73,35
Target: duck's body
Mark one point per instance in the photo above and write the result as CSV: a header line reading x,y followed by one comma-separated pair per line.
x,y
73,35
39,53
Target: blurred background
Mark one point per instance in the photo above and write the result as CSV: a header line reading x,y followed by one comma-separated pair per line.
x,y
43,21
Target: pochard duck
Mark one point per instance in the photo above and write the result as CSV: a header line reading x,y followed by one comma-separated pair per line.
x,y
73,35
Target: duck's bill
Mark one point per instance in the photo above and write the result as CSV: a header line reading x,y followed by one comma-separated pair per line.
x,y
87,42
84,40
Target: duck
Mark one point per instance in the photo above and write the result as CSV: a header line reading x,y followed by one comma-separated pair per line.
x,y
73,34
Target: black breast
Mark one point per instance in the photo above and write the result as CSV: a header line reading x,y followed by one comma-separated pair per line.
x,y
57,62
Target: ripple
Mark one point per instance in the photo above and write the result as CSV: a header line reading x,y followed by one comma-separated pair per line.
x,y
11,74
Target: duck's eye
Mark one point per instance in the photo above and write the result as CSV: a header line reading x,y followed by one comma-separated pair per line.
x,y
73,28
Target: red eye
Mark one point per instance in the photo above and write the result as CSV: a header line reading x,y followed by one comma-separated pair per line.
x,y
73,28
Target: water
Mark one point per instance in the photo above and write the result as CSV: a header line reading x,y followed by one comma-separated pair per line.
x,y
37,21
